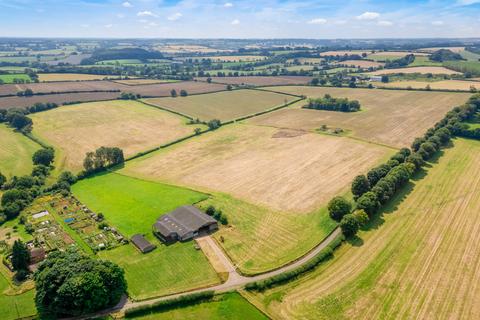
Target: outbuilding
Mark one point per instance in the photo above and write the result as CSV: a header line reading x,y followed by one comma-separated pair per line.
x,y
142,244
183,223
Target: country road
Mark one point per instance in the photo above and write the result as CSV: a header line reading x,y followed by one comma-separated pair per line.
x,y
235,280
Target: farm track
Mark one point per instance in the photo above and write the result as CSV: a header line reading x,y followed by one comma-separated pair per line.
x,y
399,271
235,280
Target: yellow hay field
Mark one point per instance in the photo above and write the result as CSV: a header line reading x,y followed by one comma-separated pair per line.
x,y
432,70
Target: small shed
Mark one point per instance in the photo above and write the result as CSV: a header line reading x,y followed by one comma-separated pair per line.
x,y
142,244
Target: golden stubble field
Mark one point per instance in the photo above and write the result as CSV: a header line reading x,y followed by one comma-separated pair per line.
x,y
436,85
420,260
287,170
132,126
225,105
388,117
424,70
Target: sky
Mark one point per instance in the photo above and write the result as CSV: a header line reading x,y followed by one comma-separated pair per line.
x,y
315,19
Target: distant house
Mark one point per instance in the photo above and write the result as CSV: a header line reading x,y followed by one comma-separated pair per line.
x,y
142,244
375,78
182,224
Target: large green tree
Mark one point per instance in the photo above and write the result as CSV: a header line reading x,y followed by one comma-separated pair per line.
x,y
338,207
70,284
43,156
360,185
20,256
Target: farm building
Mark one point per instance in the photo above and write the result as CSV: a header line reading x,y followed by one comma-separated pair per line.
x,y
184,223
142,244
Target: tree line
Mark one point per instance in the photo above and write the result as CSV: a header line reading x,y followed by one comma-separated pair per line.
x,y
333,104
383,182
399,63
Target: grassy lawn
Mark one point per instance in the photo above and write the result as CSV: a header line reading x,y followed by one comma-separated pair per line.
x,y
464,66
396,267
230,306
132,205
227,105
15,152
165,270
15,306
423,61
259,239
9,78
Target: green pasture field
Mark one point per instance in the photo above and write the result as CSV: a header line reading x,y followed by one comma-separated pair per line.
x,y
15,306
470,56
229,306
16,152
225,105
165,270
421,61
132,205
8,78
464,66
14,69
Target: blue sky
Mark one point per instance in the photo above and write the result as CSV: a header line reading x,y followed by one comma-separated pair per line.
x,y
240,19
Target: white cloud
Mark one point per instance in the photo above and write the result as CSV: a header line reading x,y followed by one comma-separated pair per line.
x,y
152,24
127,4
317,21
143,20
385,23
146,13
120,15
108,26
367,15
175,16
437,23
235,22
228,5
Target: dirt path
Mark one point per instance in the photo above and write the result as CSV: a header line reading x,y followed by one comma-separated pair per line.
x,y
234,281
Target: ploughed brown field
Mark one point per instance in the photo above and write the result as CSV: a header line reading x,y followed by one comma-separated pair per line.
x,y
21,102
388,117
286,170
261,81
132,126
156,89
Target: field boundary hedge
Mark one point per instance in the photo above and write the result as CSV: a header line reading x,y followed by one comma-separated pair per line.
x,y
309,265
171,303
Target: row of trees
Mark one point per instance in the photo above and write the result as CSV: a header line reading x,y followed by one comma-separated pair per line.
x,y
333,104
381,183
102,158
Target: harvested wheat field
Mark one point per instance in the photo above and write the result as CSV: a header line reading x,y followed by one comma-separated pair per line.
x,y
436,85
77,129
391,117
361,63
453,49
49,77
21,102
285,170
344,52
397,269
245,58
226,105
261,81
137,82
424,70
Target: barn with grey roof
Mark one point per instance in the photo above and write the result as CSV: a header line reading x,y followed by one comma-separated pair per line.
x,y
182,224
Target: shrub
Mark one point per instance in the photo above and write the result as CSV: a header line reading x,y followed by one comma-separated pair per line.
x,y
338,207
43,156
210,210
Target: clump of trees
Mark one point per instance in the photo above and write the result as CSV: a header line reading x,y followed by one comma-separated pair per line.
x,y
102,158
214,124
71,284
25,93
399,63
217,214
445,55
129,96
19,192
333,104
